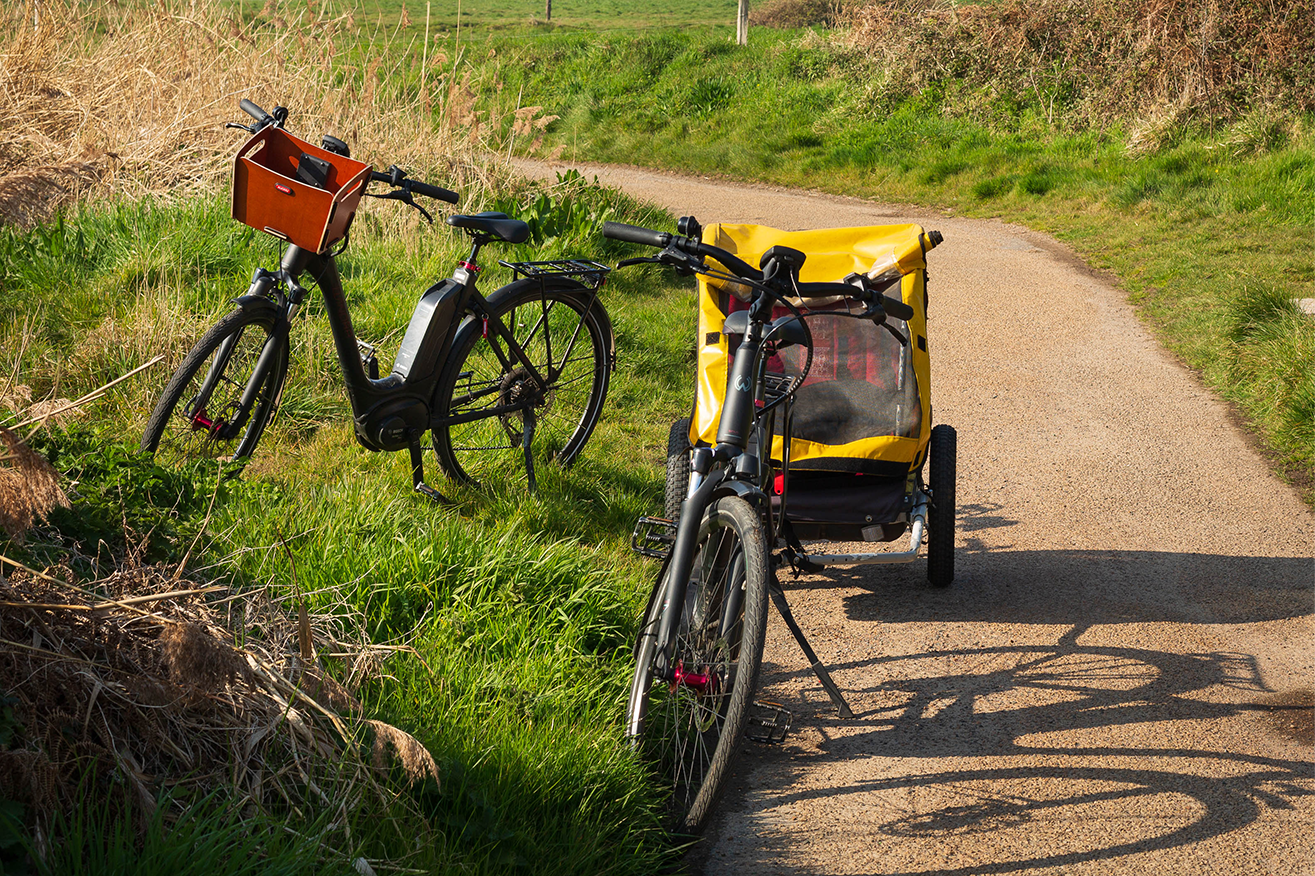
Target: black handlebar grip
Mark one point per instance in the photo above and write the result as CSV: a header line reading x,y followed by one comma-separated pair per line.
x,y
635,234
435,192
251,109
896,308
381,176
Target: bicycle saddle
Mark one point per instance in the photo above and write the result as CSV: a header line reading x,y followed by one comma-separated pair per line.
x,y
496,225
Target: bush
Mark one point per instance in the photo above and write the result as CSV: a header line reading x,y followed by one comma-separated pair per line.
x,y
1091,59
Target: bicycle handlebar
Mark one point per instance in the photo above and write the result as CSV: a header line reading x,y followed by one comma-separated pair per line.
x,y
635,234
396,177
687,245
250,108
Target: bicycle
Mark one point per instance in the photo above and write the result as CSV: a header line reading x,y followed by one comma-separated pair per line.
x,y
699,649
484,376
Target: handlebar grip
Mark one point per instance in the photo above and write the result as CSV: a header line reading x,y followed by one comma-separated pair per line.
x,y
896,308
635,234
435,192
251,109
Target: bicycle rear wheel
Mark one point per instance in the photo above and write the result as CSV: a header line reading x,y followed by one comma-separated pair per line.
x,y
201,413
691,725
566,335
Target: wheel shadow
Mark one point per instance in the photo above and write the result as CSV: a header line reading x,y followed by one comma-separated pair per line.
x,y
1006,702
1016,701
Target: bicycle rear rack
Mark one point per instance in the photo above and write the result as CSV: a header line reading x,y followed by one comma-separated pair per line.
x,y
581,269
653,537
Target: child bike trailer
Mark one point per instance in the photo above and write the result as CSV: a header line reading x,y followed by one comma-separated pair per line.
x,y
849,454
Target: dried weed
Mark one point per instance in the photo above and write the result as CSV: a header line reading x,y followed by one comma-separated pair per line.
x,y
29,487
1098,58
152,688
130,99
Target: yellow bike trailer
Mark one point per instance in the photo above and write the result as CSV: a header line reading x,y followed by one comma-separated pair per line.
x,y
860,425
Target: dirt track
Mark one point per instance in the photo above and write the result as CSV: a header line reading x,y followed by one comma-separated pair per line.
x,y
1119,679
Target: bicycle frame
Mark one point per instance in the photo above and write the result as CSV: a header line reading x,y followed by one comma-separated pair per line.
x,y
392,412
728,468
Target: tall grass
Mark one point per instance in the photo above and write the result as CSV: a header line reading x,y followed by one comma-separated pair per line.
x,y
500,627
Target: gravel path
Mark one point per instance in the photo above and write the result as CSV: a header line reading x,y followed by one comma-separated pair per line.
x,y
1119,680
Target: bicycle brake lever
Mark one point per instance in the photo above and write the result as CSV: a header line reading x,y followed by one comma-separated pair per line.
x,y
903,341
423,212
648,260
681,262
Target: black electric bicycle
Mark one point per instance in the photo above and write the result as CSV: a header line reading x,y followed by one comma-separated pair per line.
x,y
487,377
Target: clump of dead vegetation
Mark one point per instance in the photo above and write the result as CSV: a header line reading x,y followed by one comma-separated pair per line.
x,y
104,99
1154,59
153,680
138,678
797,13
29,487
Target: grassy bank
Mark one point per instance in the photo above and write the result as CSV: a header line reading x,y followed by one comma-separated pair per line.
x,y
496,632
1199,216
515,611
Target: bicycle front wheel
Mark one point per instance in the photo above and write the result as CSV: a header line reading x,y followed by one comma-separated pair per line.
x,y
225,392
567,337
690,723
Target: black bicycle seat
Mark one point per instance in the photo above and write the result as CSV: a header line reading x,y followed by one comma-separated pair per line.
x,y
496,225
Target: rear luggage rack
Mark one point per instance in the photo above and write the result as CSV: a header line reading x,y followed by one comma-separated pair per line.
x,y
582,269
653,537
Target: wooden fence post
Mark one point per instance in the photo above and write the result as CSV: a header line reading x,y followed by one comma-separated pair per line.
x,y
742,24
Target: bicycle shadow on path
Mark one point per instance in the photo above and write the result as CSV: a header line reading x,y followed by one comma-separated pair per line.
x,y
1037,720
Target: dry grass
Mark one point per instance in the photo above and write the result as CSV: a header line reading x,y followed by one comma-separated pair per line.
x,y
1153,59
29,487
104,99
797,13
149,685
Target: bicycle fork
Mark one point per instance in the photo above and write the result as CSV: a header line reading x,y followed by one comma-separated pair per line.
x,y
216,426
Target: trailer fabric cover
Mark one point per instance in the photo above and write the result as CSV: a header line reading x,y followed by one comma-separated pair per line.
x,y
865,406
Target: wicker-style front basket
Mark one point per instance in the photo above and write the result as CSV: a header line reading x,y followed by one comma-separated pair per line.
x,y
268,196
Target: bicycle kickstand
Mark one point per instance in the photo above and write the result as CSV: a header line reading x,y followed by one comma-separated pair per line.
x,y
418,475
527,437
778,597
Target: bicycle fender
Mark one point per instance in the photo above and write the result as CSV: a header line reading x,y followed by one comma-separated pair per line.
x,y
255,302
743,489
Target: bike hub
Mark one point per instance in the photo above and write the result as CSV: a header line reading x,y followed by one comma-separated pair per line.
x,y
702,682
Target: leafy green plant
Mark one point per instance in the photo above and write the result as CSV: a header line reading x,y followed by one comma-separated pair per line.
x,y
122,499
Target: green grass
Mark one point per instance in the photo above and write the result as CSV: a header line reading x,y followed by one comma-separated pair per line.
x,y
520,608
480,18
1187,222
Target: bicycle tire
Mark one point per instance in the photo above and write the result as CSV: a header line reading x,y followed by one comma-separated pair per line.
x,y
941,476
542,317
678,467
693,728
187,433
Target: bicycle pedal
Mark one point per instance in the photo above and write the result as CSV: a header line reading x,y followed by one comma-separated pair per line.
x,y
653,537
767,722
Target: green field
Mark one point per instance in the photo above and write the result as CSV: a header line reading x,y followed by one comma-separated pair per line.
x,y
484,17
